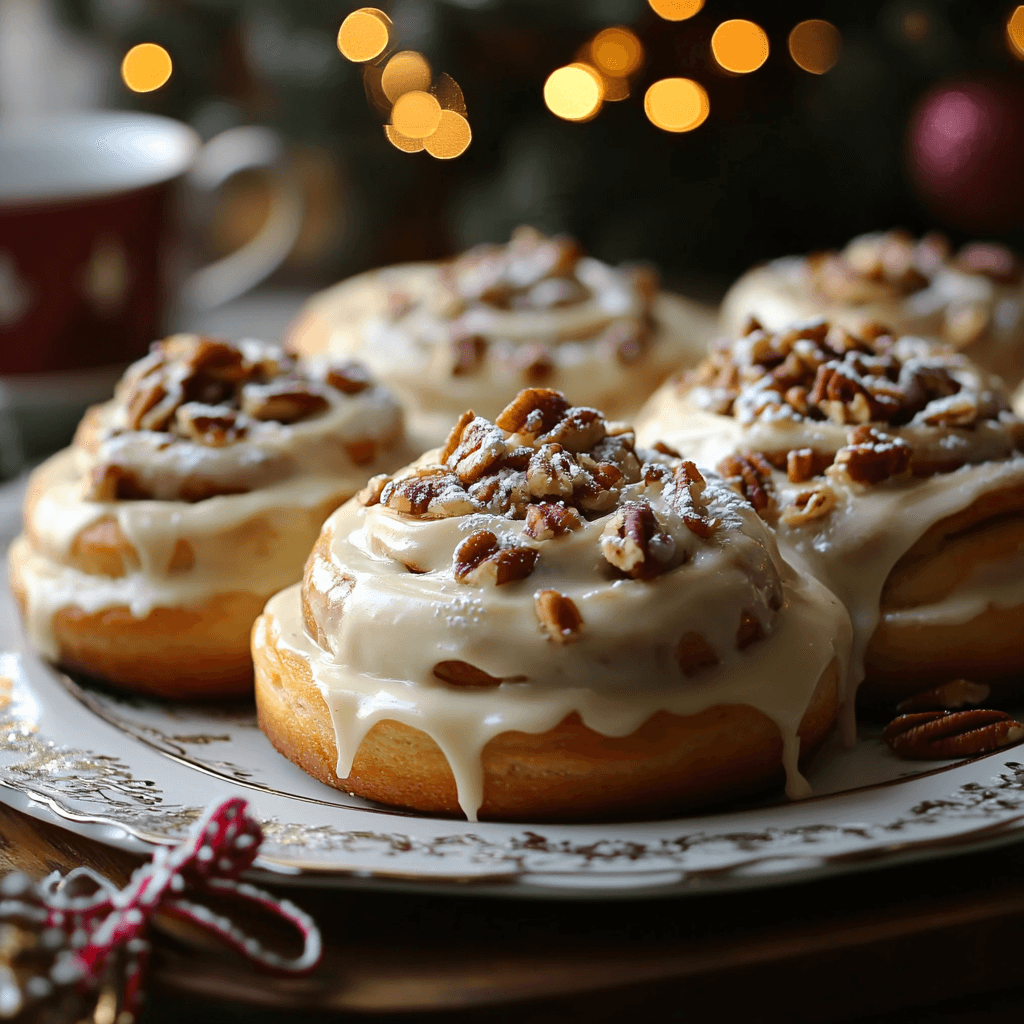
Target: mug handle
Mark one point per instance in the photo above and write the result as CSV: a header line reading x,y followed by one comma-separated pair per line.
x,y
224,155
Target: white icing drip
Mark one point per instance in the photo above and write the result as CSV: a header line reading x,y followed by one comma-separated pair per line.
x,y
621,669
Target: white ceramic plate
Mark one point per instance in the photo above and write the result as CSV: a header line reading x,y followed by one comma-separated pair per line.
x,y
132,772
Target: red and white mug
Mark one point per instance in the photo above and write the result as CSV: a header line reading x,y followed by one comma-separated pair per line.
x,y
86,211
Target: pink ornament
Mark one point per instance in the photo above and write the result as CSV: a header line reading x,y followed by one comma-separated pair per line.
x,y
965,143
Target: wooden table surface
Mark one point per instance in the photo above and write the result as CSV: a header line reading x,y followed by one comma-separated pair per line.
x,y
939,942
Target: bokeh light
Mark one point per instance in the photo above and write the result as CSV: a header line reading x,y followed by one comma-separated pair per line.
x,y
574,93
1015,32
402,142
416,114
677,104
676,10
405,72
451,138
815,45
146,67
364,34
616,52
740,46
449,95
614,89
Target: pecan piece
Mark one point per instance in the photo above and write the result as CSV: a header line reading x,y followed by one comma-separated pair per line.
x,y
536,364
634,543
578,431
533,411
283,401
468,354
431,493
461,673
552,472
694,654
548,519
370,494
938,735
212,425
949,696
349,378
480,447
958,410
110,482
804,463
558,615
479,559
871,457
809,505
750,474
150,405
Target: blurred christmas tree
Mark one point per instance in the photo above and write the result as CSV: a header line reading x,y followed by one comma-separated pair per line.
x,y
785,161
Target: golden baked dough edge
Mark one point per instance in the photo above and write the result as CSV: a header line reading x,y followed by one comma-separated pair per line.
x,y
671,763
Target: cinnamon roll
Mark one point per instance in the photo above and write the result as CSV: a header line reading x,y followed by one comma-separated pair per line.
x,y
891,469
541,621
152,543
534,312
973,300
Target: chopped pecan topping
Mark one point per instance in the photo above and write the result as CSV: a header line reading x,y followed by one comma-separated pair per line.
x,y
537,364
468,353
947,697
431,492
558,615
694,654
634,542
361,450
938,735
285,401
480,560
461,673
579,430
480,445
549,519
349,378
660,446
552,472
809,505
370,494
750,474
958,410
212,425
871,457
534,411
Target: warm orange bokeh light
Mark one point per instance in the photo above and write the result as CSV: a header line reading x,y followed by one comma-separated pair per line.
x,y
405,72
677,104
1015,33
574,93
416,114
740,46
451,138
676,10
402,142
815,45
364,34
616,52
146,67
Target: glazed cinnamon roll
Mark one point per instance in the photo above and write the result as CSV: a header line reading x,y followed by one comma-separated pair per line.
x,y
972,301
891,470
534,312
541,621
151,544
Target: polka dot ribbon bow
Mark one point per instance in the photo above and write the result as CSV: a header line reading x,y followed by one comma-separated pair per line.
x,y
77,946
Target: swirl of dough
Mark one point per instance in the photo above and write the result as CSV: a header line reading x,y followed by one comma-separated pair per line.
x,y
973,300
533,569
891,470
150,544
536,311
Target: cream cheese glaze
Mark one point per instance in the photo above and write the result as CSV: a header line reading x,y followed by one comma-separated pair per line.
x,y
854,546
389,609
467,334
273,482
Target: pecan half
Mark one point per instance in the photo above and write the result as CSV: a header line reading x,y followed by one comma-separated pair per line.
x,y
634,543
558,615
283,401
750,474
150,405
480,560
547,520
552,472
947,697
349,378
802,464
533,411
113,483
939,735
809,505
212,425
432,493
480,446
579,430
370,494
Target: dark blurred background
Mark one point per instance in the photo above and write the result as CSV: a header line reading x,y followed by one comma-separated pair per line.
x,y
786,161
